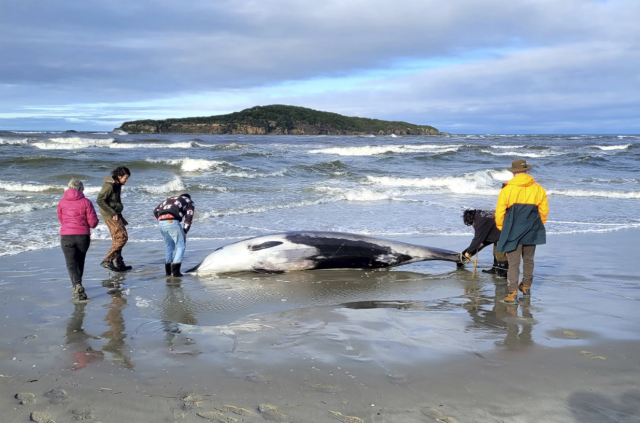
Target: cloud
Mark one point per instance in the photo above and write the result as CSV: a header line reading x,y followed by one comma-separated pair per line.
x,y
466,64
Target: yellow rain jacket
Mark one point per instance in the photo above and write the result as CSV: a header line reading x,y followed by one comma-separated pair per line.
x,y
521,189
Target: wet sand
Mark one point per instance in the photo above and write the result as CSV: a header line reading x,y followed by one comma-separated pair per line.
x,y
418,344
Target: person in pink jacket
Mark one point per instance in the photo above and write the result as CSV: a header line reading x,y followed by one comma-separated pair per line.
x,y
77,216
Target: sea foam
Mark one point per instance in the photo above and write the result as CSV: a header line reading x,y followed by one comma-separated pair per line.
x,y
72,143
477,183
612,147
523,154
122,145
602,194
373,150
172,186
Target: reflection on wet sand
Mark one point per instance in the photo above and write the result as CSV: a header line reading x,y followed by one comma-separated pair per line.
x,y
115,346
116,335
176,308
76,335
500,317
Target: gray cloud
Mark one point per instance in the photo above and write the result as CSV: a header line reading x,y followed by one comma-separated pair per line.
x,y
549,55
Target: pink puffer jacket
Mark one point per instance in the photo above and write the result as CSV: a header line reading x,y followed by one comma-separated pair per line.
x,y
76,213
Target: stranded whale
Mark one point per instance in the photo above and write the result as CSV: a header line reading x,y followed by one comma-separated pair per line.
x,y
308,250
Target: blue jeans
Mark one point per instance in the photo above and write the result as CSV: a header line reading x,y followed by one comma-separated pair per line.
x,y
173,234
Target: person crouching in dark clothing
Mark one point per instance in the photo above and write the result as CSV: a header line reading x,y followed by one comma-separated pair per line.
x,y
486,233
169,214
77,217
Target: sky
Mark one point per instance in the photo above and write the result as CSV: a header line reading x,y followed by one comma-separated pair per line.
x,y
463,66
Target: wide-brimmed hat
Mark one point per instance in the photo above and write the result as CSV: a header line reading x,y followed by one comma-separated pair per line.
x,y
519,166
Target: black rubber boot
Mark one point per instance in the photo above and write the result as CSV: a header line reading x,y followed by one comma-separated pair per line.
x,y
108,265
494,268
503,267
119,264
167,269
175,270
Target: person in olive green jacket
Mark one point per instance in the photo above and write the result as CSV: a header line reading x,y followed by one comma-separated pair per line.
x,y
111,210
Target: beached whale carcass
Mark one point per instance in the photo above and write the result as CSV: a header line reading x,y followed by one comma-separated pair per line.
x,y
309,250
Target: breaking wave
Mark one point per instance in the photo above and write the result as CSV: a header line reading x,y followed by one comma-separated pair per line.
x,y
72,143
612,147
155,145
41,188
172,186
26,208
521,154
374,150
14,141
222,167
602,194
194,165
477,183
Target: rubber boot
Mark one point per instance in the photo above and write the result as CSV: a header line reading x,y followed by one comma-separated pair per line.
x,y
512,298
167,269
107,264
120,265
503,267
78,292
525,289
175,270
494,268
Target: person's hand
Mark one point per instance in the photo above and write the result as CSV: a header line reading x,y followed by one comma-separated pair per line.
x,y
467,255
115,217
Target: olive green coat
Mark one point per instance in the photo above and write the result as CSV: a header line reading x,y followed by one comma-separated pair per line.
x,y
109,201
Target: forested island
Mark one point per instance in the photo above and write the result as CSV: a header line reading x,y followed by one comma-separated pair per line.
x,y
277,119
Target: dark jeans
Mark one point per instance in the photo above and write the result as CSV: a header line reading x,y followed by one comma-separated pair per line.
x,y
74,248
513,275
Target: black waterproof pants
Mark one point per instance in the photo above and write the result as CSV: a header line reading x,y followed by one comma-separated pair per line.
x,y
74,248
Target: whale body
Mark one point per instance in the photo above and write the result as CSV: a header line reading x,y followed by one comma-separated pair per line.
x,y
309,250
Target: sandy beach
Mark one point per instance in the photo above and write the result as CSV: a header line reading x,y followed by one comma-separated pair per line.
x,y
424,342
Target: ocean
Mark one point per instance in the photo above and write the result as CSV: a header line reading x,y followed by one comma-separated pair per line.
x,y
247,185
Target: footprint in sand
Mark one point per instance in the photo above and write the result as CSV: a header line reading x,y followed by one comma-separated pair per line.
x,y
215,416
41,417
256,378
25,398
336,415
191,401
82,413
270,412
320,387
235,410
437,415
57,396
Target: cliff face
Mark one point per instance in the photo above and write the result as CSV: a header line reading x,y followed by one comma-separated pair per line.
x,y
287,120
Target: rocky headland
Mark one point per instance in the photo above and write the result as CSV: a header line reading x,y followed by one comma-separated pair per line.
x,y
277,119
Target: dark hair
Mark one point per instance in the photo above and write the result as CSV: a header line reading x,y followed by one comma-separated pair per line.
x,y
469,216
185,195
120,171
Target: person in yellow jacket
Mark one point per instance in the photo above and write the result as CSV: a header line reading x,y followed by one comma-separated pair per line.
x,y
521,213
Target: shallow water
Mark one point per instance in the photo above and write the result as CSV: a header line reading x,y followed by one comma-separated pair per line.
x,y
247,186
